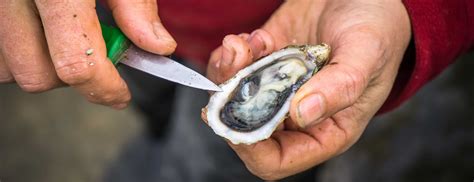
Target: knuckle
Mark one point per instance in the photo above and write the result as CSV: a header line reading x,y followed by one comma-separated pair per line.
x,y
72,66
107,98
6,78
75,73
35,87
34,82
268,41
126,97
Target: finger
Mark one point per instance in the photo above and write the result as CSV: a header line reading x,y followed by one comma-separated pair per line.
x,y
78,52
236,54
213,66
139,20
290,152
244,36
261,43
225,61
25,52
339,84
5,75
225,54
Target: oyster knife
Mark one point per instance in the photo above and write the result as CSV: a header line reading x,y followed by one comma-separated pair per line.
x,y
121,50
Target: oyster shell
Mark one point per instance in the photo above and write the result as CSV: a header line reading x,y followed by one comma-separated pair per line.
x,y
256,100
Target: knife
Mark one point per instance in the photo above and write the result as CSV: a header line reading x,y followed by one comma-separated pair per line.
x,y
121,50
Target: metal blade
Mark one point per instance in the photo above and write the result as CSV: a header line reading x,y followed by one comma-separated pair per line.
x,y
166,68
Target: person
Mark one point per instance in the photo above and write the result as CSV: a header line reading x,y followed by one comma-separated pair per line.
x,y
44,44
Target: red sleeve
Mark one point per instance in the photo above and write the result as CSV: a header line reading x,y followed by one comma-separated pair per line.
x,y
198,26
442,30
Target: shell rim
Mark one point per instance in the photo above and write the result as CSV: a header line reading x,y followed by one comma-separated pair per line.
x,y
264,132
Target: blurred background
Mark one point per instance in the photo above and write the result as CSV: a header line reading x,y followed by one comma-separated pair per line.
x,y
57,136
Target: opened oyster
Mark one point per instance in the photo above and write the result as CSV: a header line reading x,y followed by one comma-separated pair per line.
x,y
256,100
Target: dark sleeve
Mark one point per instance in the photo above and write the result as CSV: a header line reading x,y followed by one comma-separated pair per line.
x,y
442,30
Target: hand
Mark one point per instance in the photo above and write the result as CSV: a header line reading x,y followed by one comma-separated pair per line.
x,y
329,112
43,45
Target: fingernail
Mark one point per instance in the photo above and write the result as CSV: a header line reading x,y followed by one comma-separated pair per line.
x,y
162,34
119,106
228,53
256,44
310,108
218,63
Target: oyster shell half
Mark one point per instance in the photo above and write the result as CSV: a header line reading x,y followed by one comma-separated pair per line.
x,y
257,99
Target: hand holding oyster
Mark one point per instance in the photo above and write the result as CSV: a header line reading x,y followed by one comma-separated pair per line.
x,y
331,110
257,99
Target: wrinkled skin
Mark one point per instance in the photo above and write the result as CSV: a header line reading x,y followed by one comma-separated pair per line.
x,y
44,45
330,112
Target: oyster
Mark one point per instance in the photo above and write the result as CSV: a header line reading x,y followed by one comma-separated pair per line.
x,y
256,100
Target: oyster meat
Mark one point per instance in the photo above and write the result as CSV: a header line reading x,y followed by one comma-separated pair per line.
x,y
256,100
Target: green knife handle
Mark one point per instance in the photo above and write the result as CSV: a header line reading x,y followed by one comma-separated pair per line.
x,y
115,41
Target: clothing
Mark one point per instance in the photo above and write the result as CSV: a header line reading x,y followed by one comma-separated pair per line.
x,y
200,25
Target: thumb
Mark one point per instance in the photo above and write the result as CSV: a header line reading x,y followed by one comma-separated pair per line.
x,y
337,86
139,20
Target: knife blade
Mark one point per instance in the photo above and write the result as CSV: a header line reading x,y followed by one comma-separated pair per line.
x,y
165,68
122,50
